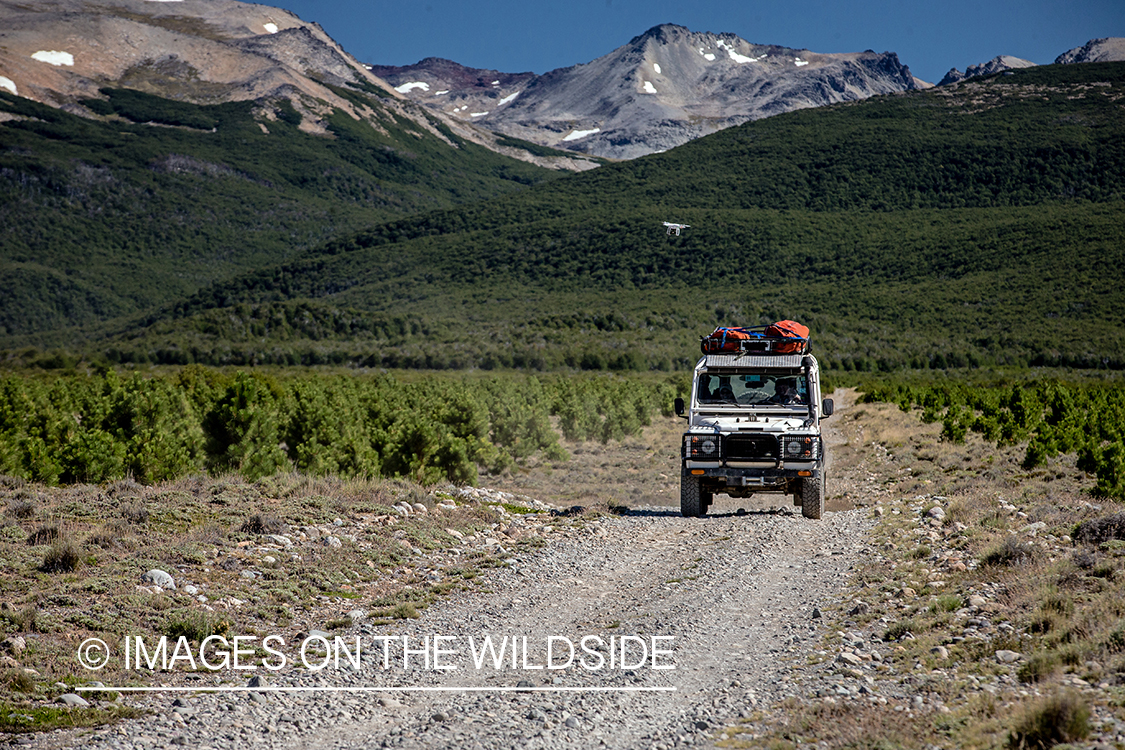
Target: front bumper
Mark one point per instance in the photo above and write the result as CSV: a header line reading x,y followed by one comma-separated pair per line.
x,y
772,475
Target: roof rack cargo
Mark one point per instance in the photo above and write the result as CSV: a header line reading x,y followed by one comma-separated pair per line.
x,y
783,337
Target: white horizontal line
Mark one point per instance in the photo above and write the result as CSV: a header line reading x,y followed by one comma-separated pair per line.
x,y
271,689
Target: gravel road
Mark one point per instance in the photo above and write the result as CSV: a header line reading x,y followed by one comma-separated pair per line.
x,y
731,600
731,595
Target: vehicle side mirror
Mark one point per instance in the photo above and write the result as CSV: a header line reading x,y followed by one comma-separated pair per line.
x,y
826,407
679,406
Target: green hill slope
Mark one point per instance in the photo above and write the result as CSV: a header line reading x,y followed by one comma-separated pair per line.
x,y
981,223
105,218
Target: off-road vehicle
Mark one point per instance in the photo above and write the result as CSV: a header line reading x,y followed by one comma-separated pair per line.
x,y
754,426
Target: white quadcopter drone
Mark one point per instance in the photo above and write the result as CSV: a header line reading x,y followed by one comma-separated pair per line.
x,y
675,228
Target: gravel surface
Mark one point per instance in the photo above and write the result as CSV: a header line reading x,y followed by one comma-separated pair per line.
x,y
733,601
731,594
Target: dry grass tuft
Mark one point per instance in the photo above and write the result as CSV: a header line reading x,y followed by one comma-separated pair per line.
x,y
1059,719
135,514
45,534
61,557
18,681
113,534
1012,552
21,508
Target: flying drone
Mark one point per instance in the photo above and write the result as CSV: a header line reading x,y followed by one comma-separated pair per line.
x,y
675,228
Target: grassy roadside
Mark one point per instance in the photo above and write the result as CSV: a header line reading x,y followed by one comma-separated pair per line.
x,y
284,555
987,611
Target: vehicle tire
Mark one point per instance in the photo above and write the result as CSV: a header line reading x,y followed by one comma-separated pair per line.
x,y
691,496
812,497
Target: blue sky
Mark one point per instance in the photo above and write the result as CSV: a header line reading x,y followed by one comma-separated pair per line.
x,y
514,36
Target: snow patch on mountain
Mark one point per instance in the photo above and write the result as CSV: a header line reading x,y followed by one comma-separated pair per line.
x,y
407,87
270,26
732,54
574,135
54,57
9,84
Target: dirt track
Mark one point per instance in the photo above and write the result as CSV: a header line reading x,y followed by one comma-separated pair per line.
x,y
732,597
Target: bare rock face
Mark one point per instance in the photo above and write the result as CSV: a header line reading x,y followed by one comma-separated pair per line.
x,y
664,88
1109,49
202,51
60,52
997,64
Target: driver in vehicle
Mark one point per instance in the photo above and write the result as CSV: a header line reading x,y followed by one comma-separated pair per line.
x,y
785,392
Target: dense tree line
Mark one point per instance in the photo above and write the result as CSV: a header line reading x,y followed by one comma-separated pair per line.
x,y
103,427
973,225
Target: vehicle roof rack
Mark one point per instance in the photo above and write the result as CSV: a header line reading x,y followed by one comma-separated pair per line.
x,y
751,339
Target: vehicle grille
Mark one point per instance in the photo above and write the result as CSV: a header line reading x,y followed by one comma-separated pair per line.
x,y
739,447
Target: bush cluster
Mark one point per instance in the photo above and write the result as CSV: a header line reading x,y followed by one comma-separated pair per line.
x,y
104,427
1054,418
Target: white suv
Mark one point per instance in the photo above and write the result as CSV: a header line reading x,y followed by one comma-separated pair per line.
x,y
754,426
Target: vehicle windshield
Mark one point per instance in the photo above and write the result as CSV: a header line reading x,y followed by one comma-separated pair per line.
x,y
753,389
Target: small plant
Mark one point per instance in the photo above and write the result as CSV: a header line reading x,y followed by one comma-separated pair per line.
x,y
136,515
404,611
263,524
1011,552
1101,529
21,508
1061,718
19,681
1085,559
61,557
23,619
193,624
1038,668
45,534
946,603
113,534
898,630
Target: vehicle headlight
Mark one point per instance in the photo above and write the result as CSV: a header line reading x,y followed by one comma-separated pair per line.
x,y
701,446
804,447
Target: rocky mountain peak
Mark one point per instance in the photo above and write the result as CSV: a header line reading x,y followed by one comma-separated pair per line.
x,y
997,64
63,52
661,89
1108,49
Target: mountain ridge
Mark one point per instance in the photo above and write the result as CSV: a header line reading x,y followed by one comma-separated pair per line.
x,y
63,52
663,88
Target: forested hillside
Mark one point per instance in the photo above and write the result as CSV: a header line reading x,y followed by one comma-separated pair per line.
x,y
980,223
105,218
